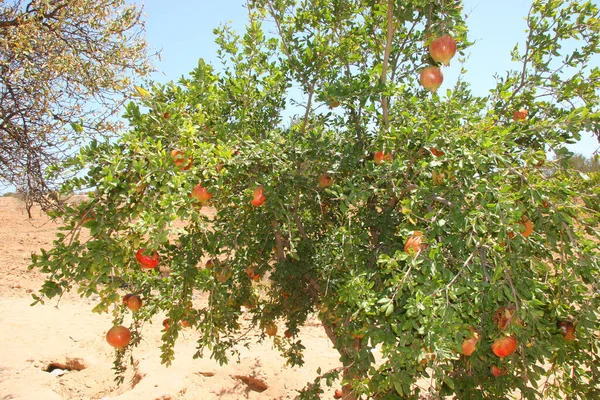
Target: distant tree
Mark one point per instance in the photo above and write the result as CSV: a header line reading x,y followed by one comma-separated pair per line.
x,y
583,164
63,68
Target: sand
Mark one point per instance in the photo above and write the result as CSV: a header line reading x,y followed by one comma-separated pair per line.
x,y
58,350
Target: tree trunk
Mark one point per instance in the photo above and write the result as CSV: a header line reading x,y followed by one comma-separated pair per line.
x,y
346,356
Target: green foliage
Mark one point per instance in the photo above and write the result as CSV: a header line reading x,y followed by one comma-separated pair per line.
x,y
494,223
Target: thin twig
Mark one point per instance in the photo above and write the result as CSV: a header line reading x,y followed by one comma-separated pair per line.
x,y
484,263
458,274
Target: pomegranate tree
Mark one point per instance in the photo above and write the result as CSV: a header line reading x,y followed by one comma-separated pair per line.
x,y
412,225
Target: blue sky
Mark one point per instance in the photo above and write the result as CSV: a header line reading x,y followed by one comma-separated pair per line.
x,y
183,31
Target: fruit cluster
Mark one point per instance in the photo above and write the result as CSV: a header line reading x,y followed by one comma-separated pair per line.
x,y
441,50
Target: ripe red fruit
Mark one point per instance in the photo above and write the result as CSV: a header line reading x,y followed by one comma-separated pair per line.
x,y
166,115
147,261
436,152
504,316
287,333
520,115
528,226
338,394
132,301
567,330
442,49
118,336
431,78
180,160
325,180
166,323
498,371
271,328
381,156
258,197
252,274
415,243
470,344
504,346
201,193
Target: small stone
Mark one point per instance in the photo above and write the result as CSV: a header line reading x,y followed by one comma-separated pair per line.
x,y
76,364
58,372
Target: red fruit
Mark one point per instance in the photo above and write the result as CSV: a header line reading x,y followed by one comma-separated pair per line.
x,y
381,156
436,152
166,323
338,394
252,274
258,197
567,330
415,243
431,78
528,226
498,371
132,301
287,333
200,193
166,115
443,49
118,336
325,180
520,115
470,344
180,160
147,261
504,316
271,328
504,346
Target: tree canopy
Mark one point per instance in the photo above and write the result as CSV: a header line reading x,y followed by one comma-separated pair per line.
x,y
64,67
422,224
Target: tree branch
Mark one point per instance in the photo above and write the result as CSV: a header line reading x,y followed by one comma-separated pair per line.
x,y
279,241
386,60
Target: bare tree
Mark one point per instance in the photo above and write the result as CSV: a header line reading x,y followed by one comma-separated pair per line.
x,y
64,66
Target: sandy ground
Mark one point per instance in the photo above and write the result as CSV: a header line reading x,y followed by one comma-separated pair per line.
x,y
67,335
